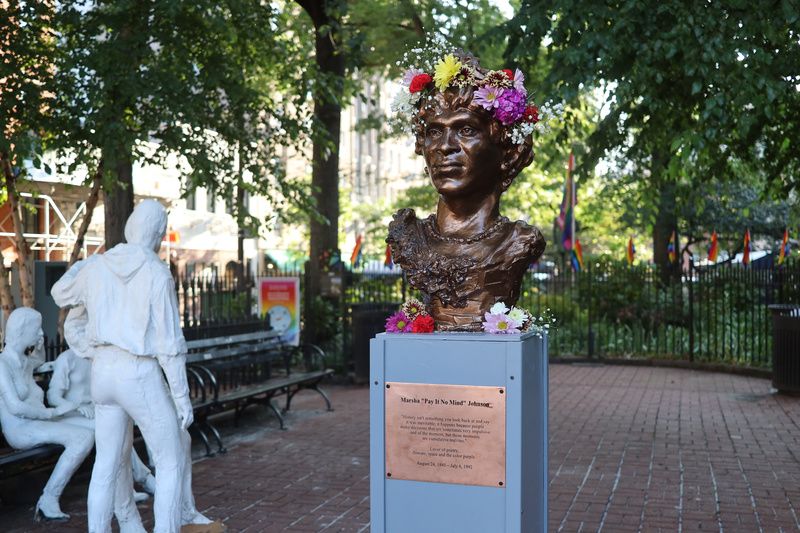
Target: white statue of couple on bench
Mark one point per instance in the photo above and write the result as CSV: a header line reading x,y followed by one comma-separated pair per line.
x,y
125,318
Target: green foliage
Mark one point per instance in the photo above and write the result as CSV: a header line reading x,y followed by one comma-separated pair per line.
x,y
690,93
214,87
26,97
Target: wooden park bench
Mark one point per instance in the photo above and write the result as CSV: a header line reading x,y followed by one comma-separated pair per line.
x,y
235,371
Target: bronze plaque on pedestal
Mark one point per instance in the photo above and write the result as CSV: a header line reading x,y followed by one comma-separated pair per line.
x,y
446,433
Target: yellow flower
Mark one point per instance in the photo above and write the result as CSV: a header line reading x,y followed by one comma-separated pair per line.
x,y
445,70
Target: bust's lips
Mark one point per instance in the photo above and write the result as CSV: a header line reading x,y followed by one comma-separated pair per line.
x,y
448,167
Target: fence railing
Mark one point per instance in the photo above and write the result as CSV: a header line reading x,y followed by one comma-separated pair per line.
x,y
716,314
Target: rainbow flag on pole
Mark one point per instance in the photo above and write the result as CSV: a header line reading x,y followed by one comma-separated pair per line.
x,y
566,215
630,252
783,253
577,256
746,252
672,248
356,257
387,262
713,251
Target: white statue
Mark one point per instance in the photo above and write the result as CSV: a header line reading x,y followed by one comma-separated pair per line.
x,y
25,420
75,362
132,331
70,384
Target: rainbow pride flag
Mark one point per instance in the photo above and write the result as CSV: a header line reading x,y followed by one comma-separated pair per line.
x,y
577,256
672,248
630,252
713,251
784,251
356,257
387,262
746,252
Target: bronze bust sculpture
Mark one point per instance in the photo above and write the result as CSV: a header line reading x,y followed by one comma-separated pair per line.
x,y
467,256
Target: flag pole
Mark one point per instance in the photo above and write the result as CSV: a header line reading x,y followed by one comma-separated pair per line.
x,y
570,166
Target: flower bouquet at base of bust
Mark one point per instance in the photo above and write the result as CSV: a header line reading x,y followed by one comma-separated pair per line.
x,y
501,319
411,318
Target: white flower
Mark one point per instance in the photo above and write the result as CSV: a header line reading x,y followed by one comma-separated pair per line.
x,y
518,315
404,102
498,309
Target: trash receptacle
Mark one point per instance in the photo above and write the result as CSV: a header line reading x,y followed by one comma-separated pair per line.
x,y
786,348
367,321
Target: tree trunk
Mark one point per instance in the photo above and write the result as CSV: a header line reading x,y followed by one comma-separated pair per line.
x,y
91,203
327,112
666,222
6,298
118,201
23,251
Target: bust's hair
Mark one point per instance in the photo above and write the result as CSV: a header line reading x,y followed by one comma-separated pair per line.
x,y
515,156
23,322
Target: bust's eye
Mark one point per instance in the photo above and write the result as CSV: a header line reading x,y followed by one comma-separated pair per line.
x,y
468,131
433,133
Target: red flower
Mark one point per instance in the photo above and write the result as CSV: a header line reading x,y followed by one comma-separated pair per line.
x,y
422,324
507,72
419,82
531,114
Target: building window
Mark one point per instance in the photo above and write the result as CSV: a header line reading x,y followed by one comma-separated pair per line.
x,y
191,200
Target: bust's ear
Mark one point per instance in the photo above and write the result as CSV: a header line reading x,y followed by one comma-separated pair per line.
x,y
517,157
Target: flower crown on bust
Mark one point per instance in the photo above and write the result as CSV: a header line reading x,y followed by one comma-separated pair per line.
x,y
438,67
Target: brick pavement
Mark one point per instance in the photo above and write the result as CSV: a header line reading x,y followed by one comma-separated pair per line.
x,y
631,449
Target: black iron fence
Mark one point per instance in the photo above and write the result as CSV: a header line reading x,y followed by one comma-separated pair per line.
x,y
716,313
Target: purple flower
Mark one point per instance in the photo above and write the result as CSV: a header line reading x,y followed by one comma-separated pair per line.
x,y
409,75
499,323
519,81
398,323
488,97
510,106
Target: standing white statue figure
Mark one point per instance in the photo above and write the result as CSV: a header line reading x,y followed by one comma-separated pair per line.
x,y
71,380
25,420
69,383
133,332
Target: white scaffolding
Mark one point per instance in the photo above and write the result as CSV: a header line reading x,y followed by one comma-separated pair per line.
x,y
65,239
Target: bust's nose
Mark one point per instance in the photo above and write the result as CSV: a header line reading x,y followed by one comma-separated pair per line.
x,y
448,143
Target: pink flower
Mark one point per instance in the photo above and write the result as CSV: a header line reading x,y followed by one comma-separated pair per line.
x,y
510,106
410,74
398,323
488,97
519,81
499,323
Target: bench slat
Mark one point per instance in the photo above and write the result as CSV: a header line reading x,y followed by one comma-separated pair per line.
x,y
199,344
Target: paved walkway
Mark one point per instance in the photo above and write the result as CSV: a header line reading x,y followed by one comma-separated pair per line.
x,y
632,449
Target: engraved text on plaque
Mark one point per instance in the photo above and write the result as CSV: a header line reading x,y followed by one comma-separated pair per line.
x,y
446,433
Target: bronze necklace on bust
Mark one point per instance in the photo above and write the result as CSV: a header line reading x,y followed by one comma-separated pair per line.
x,y
430,226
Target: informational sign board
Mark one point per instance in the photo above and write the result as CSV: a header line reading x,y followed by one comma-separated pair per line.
x,y
446,433
280,299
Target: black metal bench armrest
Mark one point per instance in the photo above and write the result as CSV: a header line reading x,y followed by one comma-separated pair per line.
x,y
210,377
199,383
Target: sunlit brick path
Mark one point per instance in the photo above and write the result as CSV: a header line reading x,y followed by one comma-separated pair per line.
x,y
632,449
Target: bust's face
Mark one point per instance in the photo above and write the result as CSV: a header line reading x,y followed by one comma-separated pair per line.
x,y
461,156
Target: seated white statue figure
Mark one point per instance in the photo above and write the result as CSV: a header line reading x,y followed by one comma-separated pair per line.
x,y
25,420
133,333
70,384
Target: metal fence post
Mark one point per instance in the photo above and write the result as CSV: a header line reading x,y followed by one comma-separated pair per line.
x,y
691,313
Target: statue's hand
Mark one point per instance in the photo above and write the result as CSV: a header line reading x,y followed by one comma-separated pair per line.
x,y
86,410
66,407
185,412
